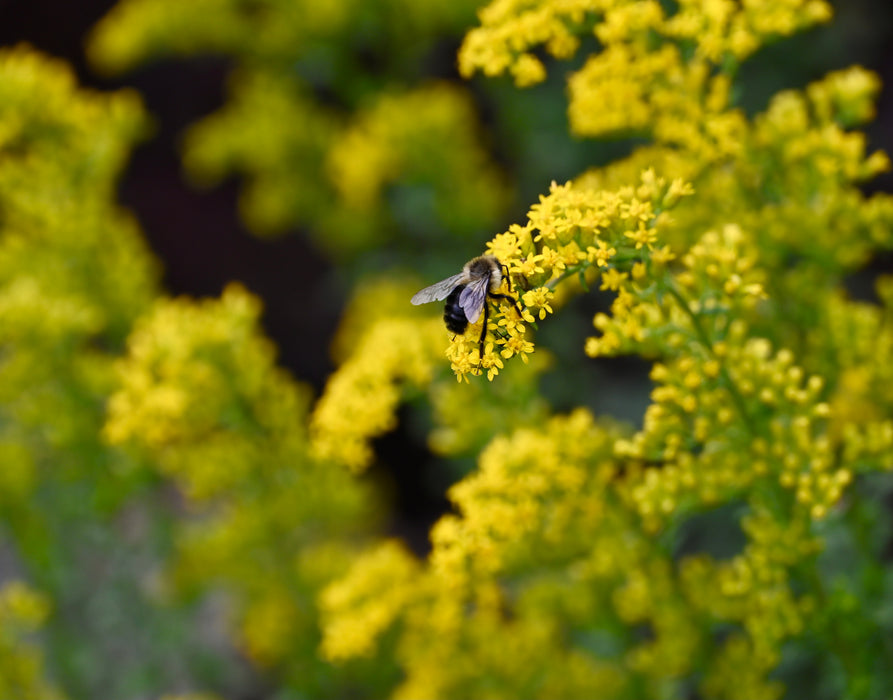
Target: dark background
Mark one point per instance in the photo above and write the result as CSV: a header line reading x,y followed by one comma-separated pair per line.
x,y
197,234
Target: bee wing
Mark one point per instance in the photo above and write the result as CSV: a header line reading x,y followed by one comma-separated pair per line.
x,y
473,297
437,292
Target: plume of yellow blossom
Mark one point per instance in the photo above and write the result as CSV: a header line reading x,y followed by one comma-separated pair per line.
x,y
723,245
200,396
568,233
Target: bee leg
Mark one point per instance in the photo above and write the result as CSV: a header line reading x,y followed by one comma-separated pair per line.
x,y
508,280
511,299
483,333
506,276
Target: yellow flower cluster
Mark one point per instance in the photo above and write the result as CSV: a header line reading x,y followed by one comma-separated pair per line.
x,y
753,589
524,502
852,353
361,399
790,190
136,31
65,147
198,375
797,151
511,26
719,30
73,269
790,182
381,581
726,411
547,545
660,72
723,422
200,397
252,133
419,138
570,233
515,494
546,553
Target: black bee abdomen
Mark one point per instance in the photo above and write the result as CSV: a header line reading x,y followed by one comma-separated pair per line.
x,y
453,314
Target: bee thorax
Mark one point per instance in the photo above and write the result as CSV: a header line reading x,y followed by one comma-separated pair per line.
x,y
485,266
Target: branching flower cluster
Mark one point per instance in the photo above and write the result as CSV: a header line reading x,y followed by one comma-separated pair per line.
x,y
723,245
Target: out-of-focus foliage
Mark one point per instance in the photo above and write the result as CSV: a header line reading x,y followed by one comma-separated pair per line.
x,y
21,672
201,398
332,118
74,274
160,469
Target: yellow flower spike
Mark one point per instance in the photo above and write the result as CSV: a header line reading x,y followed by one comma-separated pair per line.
x,y
569,231
360,399
359,608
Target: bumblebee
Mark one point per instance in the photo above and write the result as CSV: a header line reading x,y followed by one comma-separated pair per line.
x,y
466,294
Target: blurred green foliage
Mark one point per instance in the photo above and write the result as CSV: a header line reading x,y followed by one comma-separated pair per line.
x,y
335,120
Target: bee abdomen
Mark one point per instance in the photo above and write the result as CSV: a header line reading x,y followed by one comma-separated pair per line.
x,y
453,314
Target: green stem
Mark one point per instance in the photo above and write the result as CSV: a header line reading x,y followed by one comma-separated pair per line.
x,y
705,340
568,272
